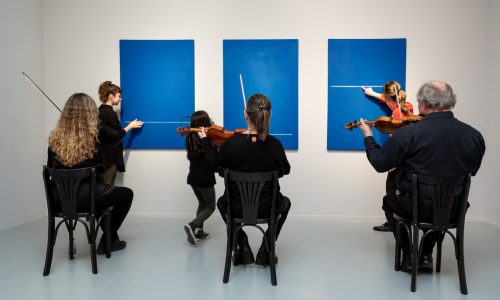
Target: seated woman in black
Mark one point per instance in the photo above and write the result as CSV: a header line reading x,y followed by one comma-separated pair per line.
x,y
252,151
74,144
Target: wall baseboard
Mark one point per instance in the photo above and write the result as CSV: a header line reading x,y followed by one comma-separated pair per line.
x,y
492,223
161,215
362,219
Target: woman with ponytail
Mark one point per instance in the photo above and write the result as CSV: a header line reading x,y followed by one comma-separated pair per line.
x,y
110,95
395,98
255,150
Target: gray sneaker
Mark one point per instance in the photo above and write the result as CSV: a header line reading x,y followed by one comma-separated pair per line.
x,y
191,238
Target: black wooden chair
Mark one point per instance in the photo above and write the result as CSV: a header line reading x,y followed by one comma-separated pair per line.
x,y
250,186
441,191
66,183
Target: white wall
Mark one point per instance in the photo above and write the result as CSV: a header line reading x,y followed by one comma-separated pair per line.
x,y
22,133
492,200
446,40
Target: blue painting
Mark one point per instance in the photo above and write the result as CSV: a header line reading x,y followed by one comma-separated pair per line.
x,y
353,63
157,79
268,67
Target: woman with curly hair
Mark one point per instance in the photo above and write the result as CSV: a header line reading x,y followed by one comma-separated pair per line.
x,y
74,143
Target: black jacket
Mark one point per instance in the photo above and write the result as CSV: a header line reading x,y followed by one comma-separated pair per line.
x,y
438,145
110,137
201,173
240,153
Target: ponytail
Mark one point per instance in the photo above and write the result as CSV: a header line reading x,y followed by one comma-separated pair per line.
x,y
259,113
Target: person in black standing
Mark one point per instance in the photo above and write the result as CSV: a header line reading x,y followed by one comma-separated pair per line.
x,y
438,145
74,143
201,178
110,95
254,150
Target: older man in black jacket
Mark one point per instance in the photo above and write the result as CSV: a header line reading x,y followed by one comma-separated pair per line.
x,y
438,145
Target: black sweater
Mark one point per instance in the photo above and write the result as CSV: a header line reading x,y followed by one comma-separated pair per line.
x,y
112,146
438,145
84,190
240,153
201,173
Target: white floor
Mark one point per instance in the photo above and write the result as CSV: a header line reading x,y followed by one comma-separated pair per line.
x,y
317,260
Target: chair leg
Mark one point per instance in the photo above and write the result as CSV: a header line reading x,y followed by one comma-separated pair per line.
x,y
439,251
461,265
92,244
50,245
107,233
71,250
229,247
272,261
397,252
414,248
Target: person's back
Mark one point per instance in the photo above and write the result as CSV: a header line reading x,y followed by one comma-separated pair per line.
x,y
74,144
441,145
254,150
244,153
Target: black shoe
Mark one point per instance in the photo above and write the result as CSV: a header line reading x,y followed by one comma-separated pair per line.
x,y
116,245
426,264
383,227
243,255
407,263
200,234
191,238
263,258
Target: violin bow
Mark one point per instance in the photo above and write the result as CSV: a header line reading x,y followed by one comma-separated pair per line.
x,y
243,93
42,92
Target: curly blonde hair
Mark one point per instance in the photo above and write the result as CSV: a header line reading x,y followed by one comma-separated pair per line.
x,y
393,90
74,139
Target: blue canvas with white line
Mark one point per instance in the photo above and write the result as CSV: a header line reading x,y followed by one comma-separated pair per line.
x,y
268,67
157,79
353,63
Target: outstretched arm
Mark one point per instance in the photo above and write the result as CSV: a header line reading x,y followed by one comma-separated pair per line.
x,y
370,92
134,124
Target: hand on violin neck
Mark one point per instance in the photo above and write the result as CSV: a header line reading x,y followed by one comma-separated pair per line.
x,y
202,133
365,129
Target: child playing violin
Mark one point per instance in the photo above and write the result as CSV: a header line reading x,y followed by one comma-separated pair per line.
x,y
201,178
395,98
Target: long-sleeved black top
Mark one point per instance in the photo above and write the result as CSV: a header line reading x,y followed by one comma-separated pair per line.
x,y
438,145
112,147
201,173
240,153
96,162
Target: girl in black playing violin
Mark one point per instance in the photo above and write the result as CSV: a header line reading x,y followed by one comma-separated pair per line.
x,y
201,178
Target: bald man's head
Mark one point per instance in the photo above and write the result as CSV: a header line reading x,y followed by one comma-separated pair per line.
x,y
436,95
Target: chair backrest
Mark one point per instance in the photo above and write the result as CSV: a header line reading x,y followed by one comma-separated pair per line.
x,y
250,186
67,183
442,191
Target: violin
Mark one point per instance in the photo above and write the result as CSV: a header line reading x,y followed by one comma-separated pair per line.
x,y
216,134
386,124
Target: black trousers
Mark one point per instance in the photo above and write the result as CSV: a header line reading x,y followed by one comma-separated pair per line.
x,y
402,205
120,198
206,204
282,208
